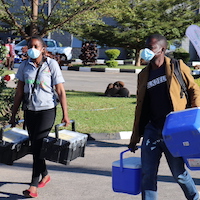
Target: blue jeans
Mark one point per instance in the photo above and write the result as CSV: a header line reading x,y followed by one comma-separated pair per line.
x,y
152,148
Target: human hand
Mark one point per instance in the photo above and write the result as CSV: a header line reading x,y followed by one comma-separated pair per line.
x,y
132,147
12,122
66,120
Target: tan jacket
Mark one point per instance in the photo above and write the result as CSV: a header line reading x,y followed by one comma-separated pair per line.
x,y
178,103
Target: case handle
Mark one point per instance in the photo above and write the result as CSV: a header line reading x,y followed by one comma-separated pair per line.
x,y
8,126
63,124
121,159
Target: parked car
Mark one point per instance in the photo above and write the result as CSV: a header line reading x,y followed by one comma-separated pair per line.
x,y
52,46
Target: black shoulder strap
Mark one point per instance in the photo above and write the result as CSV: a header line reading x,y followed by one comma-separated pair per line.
x,y
34,83
37,73
177,72
50,71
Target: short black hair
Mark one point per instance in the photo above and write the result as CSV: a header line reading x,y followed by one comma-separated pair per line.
x,y
160,38
38,38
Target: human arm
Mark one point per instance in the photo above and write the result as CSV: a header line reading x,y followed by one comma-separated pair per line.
x,y
141,117
17,101
63,101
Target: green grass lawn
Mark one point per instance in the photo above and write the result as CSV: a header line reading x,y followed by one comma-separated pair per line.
x,y
95,113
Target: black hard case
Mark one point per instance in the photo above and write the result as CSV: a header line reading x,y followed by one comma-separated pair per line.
x,y
14,144
65,148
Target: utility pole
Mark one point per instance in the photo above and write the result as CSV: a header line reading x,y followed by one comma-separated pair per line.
x,y
34,29
49,12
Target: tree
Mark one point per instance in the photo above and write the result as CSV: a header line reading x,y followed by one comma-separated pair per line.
x,y
6,94
136,20
27,18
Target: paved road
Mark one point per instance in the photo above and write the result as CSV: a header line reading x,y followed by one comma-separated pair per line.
x,y
95,81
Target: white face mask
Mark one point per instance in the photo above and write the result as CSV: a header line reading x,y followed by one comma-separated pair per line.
x,y
148,55
33,53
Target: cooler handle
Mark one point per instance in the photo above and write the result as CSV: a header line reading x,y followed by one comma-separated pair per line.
x,y
8,126
121,159
63,124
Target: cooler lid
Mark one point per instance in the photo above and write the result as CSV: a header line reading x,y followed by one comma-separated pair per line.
x,y
75,138
132,162
195,109
70,135
15,135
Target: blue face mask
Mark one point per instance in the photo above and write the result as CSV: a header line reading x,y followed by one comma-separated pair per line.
x,y
33,53
147,54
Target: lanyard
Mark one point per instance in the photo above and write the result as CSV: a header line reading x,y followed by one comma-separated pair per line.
x,y
34,84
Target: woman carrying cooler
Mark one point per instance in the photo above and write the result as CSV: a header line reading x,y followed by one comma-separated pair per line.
x,y
38,75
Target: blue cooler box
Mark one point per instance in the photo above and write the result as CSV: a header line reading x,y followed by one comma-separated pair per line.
x,y
181,132
126,175
192,162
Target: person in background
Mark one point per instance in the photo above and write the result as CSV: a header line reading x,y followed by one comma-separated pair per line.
x,y
24,54
117,89
158,93
8,55
12,52
37,77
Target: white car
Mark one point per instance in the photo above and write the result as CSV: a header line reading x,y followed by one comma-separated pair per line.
x,y
52,46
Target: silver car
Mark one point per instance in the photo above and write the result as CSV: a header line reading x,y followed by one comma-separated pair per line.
x,y
52,46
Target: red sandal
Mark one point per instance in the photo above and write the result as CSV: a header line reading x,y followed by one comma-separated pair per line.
x,y
28,193
42,184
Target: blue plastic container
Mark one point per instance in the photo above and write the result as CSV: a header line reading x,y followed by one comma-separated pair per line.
x,y
181,132
126,175
192,162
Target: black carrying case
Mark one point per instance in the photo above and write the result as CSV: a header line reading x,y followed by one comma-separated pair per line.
x,y
14,144
64,146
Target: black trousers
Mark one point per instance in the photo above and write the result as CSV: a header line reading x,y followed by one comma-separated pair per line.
x,y
39,124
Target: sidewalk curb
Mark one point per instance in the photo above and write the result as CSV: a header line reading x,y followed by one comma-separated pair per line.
x,y
90,69
11,77
108,70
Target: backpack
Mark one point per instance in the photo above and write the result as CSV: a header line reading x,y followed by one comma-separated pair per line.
x,y
177,72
